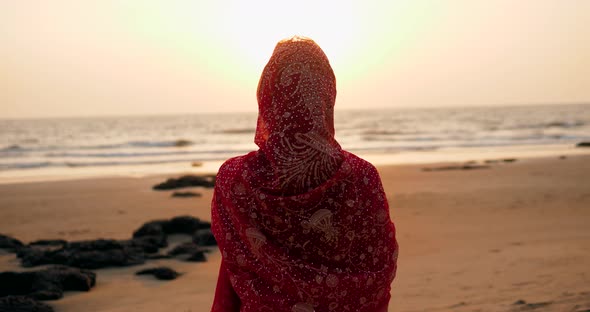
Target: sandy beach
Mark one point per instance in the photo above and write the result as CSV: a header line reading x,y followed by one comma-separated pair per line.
x,y
470,240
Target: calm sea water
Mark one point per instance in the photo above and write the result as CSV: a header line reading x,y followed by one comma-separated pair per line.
x,y
129,141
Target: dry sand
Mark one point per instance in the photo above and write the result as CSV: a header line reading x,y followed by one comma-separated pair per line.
x,y
471,240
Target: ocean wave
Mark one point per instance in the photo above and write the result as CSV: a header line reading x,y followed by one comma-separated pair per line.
x,y
564,124
116,154
12,151
146,144
409,147
142,154
372,138
78,164
11,148
25,165
538,126
135,144
392,149
175,143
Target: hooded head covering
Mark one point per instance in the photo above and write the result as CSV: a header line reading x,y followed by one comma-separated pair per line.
x,y
295,131
302,225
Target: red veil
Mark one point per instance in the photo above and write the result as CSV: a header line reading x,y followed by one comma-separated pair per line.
x,y
302,224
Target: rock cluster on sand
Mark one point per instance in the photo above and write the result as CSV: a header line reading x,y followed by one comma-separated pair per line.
x,y
161,273
46,284
92,254
9,243
19,291
100,253
22,304
207,181
178,225
189,252
200,231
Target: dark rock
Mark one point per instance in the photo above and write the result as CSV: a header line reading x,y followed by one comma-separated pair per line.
x,y
161,273
184,249
204,237
150,244
204,225
509,160
207,181
535,305
47,284
562,157
178,225
198,256
107,258
194,252
22,304
463,167
92,254
186,194
9,243
470,167
457,305
184,225
49,242
158,256
152,228
583,144
15,283
100,253
97,245
531,306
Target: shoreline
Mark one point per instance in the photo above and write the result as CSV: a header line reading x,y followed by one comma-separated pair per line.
x,y
377,158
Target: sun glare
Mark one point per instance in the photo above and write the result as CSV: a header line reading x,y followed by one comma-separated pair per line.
x,y
254,27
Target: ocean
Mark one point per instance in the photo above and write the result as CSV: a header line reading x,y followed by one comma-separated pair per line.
x,y
104,144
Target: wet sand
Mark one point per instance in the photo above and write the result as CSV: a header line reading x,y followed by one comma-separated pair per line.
x,y
470,240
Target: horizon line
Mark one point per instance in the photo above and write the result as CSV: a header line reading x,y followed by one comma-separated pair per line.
x,y
143,115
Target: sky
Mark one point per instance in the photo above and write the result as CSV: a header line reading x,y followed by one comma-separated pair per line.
x,y
89,58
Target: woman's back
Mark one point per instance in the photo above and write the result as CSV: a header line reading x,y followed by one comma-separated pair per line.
x,y
302,224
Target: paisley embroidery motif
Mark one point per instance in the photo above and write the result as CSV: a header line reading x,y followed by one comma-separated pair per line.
x,y
321,220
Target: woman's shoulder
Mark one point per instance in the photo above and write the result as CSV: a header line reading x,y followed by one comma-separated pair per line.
x,y
359,163
234,164
364,172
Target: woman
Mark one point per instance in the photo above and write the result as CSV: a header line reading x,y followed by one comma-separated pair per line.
x,y
302,224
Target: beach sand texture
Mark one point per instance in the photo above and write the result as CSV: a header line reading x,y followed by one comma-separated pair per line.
x,y
470,240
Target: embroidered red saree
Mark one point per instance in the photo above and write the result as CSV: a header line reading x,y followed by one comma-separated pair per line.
x,y
302,225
